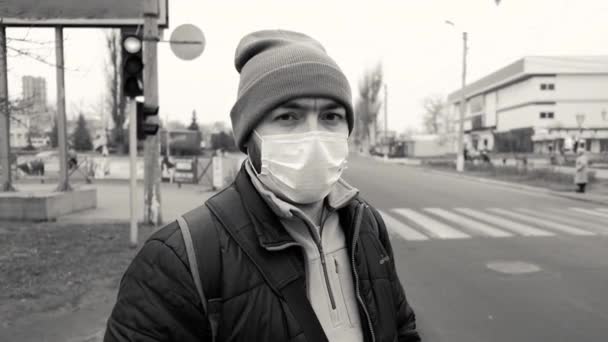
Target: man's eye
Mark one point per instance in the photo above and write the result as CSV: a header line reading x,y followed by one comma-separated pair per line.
x,y
333,116
286,117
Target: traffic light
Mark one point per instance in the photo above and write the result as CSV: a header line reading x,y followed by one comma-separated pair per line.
x,y
132,64
147,121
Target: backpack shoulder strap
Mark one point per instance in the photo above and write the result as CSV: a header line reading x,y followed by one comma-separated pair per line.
x,y
203,250
280,273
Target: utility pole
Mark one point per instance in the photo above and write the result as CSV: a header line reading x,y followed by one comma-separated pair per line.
x,y
386,120
5,123
152,199
62,138
460,154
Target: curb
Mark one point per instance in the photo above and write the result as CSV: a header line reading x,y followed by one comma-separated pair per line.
x,y
602,200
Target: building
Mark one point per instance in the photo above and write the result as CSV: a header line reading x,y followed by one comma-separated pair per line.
x,y
537,104
34,92
426,145
19,130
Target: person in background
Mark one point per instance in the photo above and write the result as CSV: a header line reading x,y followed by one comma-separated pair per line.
x,y
581,174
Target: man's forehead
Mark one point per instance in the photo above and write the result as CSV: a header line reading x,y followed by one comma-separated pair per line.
x,y
310,103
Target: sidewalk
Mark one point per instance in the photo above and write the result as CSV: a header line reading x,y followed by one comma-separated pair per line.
x,y
113,201
586,197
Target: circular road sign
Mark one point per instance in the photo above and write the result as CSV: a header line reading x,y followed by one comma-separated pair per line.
x,y
187,42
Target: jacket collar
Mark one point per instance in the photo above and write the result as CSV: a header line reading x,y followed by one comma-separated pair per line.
x,y
269,230
265,209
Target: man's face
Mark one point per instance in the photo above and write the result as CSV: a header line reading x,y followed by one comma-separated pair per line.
x,y
300,115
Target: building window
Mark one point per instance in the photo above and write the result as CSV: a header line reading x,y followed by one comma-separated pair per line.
x,y
547,86
603,145
547,115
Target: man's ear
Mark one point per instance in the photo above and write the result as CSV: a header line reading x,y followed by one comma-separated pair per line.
x,y
253,150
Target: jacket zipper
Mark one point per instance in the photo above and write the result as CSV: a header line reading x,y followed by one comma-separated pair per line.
x,y
324,264
359,217
323,260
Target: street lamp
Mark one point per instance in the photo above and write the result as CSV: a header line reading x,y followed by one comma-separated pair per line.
x,y
460,145
580,118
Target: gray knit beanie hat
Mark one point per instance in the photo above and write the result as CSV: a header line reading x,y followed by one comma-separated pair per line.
x,y
277,66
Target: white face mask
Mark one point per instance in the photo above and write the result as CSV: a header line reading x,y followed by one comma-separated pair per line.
x,y
302,167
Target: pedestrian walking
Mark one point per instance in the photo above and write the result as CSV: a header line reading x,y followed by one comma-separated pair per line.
x,y
289,251
581,173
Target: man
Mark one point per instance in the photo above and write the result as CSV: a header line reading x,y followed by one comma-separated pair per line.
x,y
299,255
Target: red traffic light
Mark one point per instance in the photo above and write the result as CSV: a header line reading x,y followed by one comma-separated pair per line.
x,y
132,65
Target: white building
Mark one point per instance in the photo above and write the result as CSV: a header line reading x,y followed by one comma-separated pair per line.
x,y
426,145
19,130
538,103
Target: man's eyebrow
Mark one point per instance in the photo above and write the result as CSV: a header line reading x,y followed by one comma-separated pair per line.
x,y
299,106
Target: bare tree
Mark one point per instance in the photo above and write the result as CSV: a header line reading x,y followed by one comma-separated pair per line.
x,y
116,101
367,106
434,113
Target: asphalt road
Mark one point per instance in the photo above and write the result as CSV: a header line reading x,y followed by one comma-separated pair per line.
x,y
485,263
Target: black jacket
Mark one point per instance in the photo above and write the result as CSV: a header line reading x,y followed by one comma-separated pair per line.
x,y
158,301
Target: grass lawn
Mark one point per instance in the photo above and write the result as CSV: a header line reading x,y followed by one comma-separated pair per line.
x,y
55,267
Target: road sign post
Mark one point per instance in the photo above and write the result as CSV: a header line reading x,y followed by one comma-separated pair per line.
x,y
152,176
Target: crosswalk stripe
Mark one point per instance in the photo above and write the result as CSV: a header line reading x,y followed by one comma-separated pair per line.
x,y
401,228
548,224
566,219
434,227
519,228
590,212
467,222
578,215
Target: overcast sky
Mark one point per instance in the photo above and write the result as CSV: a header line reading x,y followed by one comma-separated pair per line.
x,y
420,53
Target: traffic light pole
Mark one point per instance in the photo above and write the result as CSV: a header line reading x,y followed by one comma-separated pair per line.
x,y
133,170
152,198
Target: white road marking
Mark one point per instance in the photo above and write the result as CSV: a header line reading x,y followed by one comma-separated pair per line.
x,y
576,215
401,228
559,216
516,227
548,224
434,227
469,223
590,212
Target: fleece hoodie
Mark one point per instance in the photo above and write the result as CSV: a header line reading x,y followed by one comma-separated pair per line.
x,y
330,285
